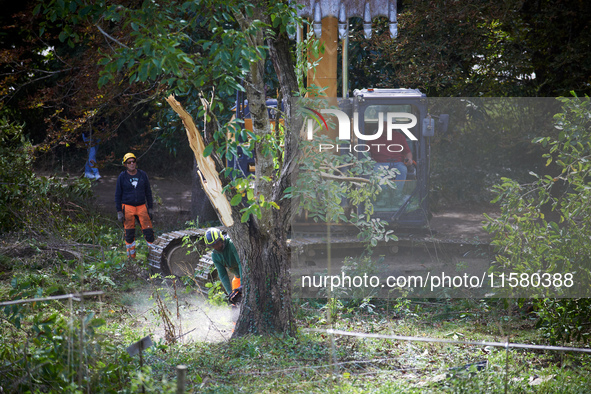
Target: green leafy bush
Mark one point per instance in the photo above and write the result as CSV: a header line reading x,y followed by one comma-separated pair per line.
x,y
48,347
564,319
545,225
28,201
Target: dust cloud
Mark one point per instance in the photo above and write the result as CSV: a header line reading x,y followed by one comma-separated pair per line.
x,y
165,313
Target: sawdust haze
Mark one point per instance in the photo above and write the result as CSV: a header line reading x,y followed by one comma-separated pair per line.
x,y
194,318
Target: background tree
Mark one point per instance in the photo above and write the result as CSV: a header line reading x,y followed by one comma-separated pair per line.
x,y
36,205
475,48
479,48
49,83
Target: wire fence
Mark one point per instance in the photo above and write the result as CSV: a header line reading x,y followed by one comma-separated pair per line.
x,y
506,345
74,297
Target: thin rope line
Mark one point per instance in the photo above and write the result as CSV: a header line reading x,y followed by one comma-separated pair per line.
x,y
75,297
455,342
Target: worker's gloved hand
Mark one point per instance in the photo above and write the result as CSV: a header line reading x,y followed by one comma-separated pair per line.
x,y
235,296
150,213
120,216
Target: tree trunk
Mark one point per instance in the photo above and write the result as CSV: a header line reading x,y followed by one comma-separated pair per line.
x,y
267,306
261,241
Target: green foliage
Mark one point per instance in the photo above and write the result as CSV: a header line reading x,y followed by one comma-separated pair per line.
x,y
51,348
489,138
145,381
471,48
241,185
253,204
28,201
340,189
215,294
530,241
57,346
188,47
168,47
545,227
304,66
564,320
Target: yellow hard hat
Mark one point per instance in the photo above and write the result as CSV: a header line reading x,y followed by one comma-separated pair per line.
x,y
212,236
128,156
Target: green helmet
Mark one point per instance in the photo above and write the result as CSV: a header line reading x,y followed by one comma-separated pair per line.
x,y
212,236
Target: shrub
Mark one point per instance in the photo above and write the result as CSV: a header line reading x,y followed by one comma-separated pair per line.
x,y
546,232
28,201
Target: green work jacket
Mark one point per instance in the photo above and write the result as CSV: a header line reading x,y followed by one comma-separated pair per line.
x,y
227,259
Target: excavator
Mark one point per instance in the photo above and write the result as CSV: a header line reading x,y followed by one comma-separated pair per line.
x,y
406,207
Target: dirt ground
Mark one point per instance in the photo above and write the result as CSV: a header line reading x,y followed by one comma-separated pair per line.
x,y
172,204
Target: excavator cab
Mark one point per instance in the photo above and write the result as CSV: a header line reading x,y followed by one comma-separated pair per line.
x,y
405,110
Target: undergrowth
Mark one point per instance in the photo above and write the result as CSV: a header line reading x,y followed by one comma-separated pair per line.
x,y
73,346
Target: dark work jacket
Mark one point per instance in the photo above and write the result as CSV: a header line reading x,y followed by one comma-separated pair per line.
x,y
133,190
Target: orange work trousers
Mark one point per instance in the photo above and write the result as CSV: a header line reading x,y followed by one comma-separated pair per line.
x,y
130,213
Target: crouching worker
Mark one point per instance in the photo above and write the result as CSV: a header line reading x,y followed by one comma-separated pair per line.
x,y
225,257
133,198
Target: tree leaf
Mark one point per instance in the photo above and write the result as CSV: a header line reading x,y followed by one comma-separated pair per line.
x,y
208,149
237,199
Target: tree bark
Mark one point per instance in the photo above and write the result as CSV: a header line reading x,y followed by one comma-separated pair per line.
x,y
267,306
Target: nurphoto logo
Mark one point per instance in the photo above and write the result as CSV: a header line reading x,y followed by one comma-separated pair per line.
x,y
391,124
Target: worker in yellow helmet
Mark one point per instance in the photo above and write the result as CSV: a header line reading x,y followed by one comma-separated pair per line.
x,y
133,198
225,257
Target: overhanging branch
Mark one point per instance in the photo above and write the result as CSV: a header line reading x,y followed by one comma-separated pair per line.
x,y
344,178
111,37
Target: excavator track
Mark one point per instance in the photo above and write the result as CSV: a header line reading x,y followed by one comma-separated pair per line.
x,y
169,256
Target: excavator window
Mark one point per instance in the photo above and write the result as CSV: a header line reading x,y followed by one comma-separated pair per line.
x,y
390,153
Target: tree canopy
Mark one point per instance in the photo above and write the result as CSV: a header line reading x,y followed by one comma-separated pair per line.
x,y
480,48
